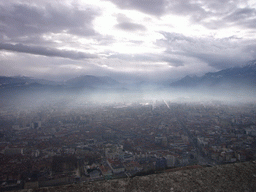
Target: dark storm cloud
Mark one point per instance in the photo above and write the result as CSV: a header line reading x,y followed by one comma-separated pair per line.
x,y
127,26
22,20
154,7
45,51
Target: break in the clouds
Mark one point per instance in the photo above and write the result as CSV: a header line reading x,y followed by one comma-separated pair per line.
x,y
136,39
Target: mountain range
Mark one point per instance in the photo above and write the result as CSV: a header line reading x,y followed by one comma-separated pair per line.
x,y
244,76
230,77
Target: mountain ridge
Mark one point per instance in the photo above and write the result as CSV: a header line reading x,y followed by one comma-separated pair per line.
x,y
235,76
230,77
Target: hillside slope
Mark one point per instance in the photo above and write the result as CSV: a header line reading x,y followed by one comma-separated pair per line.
x,y
231,177
233,77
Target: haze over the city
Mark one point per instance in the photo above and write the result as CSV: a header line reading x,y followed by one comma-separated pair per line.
x,y
131,95
135,40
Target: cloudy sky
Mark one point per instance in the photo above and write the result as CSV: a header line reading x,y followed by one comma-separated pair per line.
x,y
125,39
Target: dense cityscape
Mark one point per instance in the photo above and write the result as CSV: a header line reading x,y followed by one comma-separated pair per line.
x,y
60,144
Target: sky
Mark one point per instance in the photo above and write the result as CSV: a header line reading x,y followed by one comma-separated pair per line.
x,y
129,40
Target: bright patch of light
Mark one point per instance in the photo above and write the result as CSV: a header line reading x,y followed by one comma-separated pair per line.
x,y
252,3
71,66
173,23
106,25
7,55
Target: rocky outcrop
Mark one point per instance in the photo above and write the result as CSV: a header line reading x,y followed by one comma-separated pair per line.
x,y
230,177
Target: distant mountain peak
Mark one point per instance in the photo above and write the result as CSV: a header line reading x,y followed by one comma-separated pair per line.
x,y
235,76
